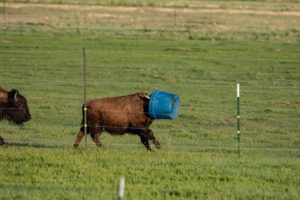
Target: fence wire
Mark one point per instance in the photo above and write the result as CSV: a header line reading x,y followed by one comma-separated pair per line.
x,y
169,53
217,84
189,108
194,148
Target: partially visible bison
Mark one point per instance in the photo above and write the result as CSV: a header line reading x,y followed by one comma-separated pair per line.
x,y
13,107
119,115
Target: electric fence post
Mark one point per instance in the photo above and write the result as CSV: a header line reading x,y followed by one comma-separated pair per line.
x,y
121,188
84,97
238,117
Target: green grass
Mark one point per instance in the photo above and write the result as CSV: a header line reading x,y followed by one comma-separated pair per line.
x,y
198,159
94,174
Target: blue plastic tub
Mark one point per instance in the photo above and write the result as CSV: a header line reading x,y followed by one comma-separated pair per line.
x,y
164,105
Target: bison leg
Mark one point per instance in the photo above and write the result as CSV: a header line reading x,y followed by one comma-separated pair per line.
x,y
148,134
145,142
95,135
80,136
2,143
78,139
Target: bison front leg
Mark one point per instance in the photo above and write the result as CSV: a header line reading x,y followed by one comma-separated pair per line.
x,y
145,142
148,134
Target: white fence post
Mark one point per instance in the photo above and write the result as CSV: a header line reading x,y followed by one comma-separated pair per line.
x,y
121,188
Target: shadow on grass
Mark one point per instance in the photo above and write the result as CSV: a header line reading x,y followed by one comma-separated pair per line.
x,y
37,145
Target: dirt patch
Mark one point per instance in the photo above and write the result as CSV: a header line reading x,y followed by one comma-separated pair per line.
x,y
288,104
207,9
6,42
191,21
99,15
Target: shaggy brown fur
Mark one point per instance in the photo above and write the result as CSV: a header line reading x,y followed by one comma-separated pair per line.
x,y
13,107
119,115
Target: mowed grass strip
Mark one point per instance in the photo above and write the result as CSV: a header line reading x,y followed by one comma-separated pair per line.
x,y
235,21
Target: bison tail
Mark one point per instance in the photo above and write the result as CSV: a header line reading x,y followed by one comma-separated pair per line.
x,y
82,115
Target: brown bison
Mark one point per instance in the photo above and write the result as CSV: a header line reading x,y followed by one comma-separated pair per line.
x,y
13,107
119,115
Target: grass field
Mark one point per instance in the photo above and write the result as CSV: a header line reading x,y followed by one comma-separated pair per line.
x,y
196,49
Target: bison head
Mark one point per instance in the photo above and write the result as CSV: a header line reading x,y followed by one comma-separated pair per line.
x,y
18,111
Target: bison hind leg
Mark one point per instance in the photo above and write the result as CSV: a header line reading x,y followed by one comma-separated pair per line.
x,y
95,134
80,136
2,143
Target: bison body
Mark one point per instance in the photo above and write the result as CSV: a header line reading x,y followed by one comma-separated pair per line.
x,y
13,107
118,115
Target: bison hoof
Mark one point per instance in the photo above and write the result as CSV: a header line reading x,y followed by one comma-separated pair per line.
x,y
99,144
3,144
149,149
157,144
